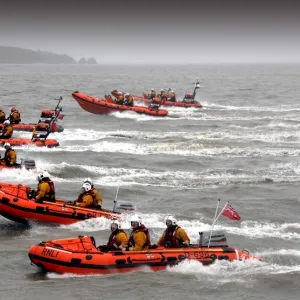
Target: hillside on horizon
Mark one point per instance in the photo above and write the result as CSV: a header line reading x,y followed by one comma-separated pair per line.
x,y
16,55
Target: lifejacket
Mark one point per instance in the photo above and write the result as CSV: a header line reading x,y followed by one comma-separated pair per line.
x,y
91,193
51,194
7,131
113,237
109,99
163,94
141,228
120,98
129,100
152,94
173,96
10,156
2,116
15,116
171,236
40,128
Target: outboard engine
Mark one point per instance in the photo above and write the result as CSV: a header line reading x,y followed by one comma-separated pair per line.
x,y
122,205
218,239
59,128
28,164
154,106
188,96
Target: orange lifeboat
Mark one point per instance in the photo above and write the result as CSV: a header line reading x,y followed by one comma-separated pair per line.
x,y
107,105
30,127
47,116
39,138
82,256
16,204
37,142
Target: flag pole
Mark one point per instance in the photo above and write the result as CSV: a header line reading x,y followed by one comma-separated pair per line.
x,y
212,226
221,211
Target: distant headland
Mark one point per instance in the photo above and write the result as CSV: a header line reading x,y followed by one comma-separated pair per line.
x,y
15,55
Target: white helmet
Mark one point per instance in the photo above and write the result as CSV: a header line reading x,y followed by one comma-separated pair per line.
x,y
126,95
88,180
7,145
172,91
7,122
153,90
42,174
117,223
172,219
86,187
162,90
119,93
136,218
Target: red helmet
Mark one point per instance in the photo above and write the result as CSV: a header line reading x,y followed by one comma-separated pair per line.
x,y
12,109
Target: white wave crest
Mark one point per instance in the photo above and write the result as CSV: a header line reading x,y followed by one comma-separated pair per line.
x,y
283,252
223,272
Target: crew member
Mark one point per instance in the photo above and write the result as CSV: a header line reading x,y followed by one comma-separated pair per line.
x,y
96,195
86,197
7,130
172,97
2,115
120,98
152,94
14,116
174,236
128,100
10,155
118,238
139,238
163,94
45,189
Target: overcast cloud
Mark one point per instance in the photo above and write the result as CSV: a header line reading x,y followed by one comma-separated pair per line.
x,y
156,31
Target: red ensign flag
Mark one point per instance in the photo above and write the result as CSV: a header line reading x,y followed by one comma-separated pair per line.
x,y
230,213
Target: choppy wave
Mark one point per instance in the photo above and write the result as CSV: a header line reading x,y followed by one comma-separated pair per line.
x,y
274,125
175,148
288,172
283,252
238,272
248,134
277,108
18,175
105,176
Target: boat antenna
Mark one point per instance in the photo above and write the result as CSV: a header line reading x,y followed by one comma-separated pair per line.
x,y
115,201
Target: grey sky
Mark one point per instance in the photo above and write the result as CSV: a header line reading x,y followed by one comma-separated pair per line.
x,y
156,31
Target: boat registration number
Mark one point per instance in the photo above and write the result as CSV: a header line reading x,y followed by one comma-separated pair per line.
x,y
196,255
